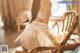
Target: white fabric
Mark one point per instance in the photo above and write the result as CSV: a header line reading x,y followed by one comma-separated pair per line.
x,y
35,35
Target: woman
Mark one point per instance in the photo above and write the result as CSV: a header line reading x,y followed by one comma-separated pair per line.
x,y
36,32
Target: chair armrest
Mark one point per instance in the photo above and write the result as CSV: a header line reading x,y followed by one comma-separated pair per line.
x,y
71,46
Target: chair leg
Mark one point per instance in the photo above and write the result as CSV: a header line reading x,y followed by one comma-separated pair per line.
x,y
18,25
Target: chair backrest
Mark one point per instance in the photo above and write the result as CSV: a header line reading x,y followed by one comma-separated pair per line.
x,y
65,23
69,21
69,24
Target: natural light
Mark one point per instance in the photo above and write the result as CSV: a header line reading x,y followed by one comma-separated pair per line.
x,y
57,9
1,23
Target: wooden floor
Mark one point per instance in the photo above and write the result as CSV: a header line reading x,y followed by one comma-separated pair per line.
x,y
8,37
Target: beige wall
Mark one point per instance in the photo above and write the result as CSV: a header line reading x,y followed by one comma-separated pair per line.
x,y
77,8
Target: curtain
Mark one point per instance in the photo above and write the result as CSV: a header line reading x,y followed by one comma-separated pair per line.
x,y
10,9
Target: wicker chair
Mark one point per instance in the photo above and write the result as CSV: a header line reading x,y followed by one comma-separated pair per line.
x,y
70,20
